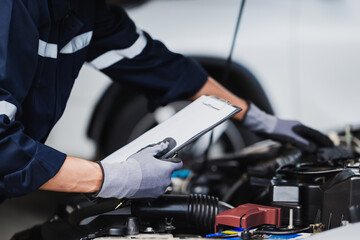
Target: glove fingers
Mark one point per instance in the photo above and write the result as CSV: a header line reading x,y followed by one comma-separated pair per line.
x,y
177,163
171,164
159,148
171,144
153,149
156,180
313,135
173,160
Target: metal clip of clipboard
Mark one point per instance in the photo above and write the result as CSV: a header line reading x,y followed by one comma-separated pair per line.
x,y
215,102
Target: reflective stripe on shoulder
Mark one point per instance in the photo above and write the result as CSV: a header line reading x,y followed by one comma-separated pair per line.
x,y
111,57
77,43
47,49
8,109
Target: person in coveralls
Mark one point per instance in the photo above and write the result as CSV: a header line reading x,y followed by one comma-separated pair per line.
x,y
43,44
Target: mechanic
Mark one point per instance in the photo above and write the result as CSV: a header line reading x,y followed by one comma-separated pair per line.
x,y
43,44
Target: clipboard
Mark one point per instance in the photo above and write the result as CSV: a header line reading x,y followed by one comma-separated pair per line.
x,y
193,121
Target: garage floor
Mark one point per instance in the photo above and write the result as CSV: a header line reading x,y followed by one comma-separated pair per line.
x,y
21,213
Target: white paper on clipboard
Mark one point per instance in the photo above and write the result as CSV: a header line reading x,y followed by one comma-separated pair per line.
x,y
184,127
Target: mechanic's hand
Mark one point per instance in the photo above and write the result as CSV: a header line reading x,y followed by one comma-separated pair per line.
x,y
140,176
286,131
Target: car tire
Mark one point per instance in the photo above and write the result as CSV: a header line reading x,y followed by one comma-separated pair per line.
x,y
127,121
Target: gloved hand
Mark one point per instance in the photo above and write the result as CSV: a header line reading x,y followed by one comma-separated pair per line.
x,y
140,176
294,132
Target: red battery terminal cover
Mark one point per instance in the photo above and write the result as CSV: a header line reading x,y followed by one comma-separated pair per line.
x,y
249,215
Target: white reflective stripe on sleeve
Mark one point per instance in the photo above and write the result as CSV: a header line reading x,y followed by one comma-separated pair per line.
x,y
8,109
111,57
77,43
47,49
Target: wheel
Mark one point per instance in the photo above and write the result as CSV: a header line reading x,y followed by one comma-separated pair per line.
x,y
113,125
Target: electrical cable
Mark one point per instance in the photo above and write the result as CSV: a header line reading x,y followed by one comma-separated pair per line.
x,y
282,232
229,59
226,236
307,169
267,232
337,170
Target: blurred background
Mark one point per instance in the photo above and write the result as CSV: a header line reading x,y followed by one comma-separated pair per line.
x,y
298,59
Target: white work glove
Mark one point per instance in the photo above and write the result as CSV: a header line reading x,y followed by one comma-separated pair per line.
x,y
140,176
286,131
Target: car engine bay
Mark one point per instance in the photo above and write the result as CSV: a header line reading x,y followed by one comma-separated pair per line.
x,y
264,191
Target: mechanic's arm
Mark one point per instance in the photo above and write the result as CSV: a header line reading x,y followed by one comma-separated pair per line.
x,y
76,175
258,121
212,87
140,176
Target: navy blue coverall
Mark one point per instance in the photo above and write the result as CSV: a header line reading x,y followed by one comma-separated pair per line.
x,y
43,44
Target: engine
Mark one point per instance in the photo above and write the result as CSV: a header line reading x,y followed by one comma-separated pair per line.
x,y
264,189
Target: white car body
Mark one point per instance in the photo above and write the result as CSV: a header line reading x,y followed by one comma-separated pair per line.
x,y
305,54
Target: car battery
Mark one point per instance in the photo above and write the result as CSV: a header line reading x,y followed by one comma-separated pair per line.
x,y
332,201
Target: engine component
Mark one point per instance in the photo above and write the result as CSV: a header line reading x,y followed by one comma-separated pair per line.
x,y
132,226
341,197
317,193
181,213
248,215
82,219
226,176
333,153
322,191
